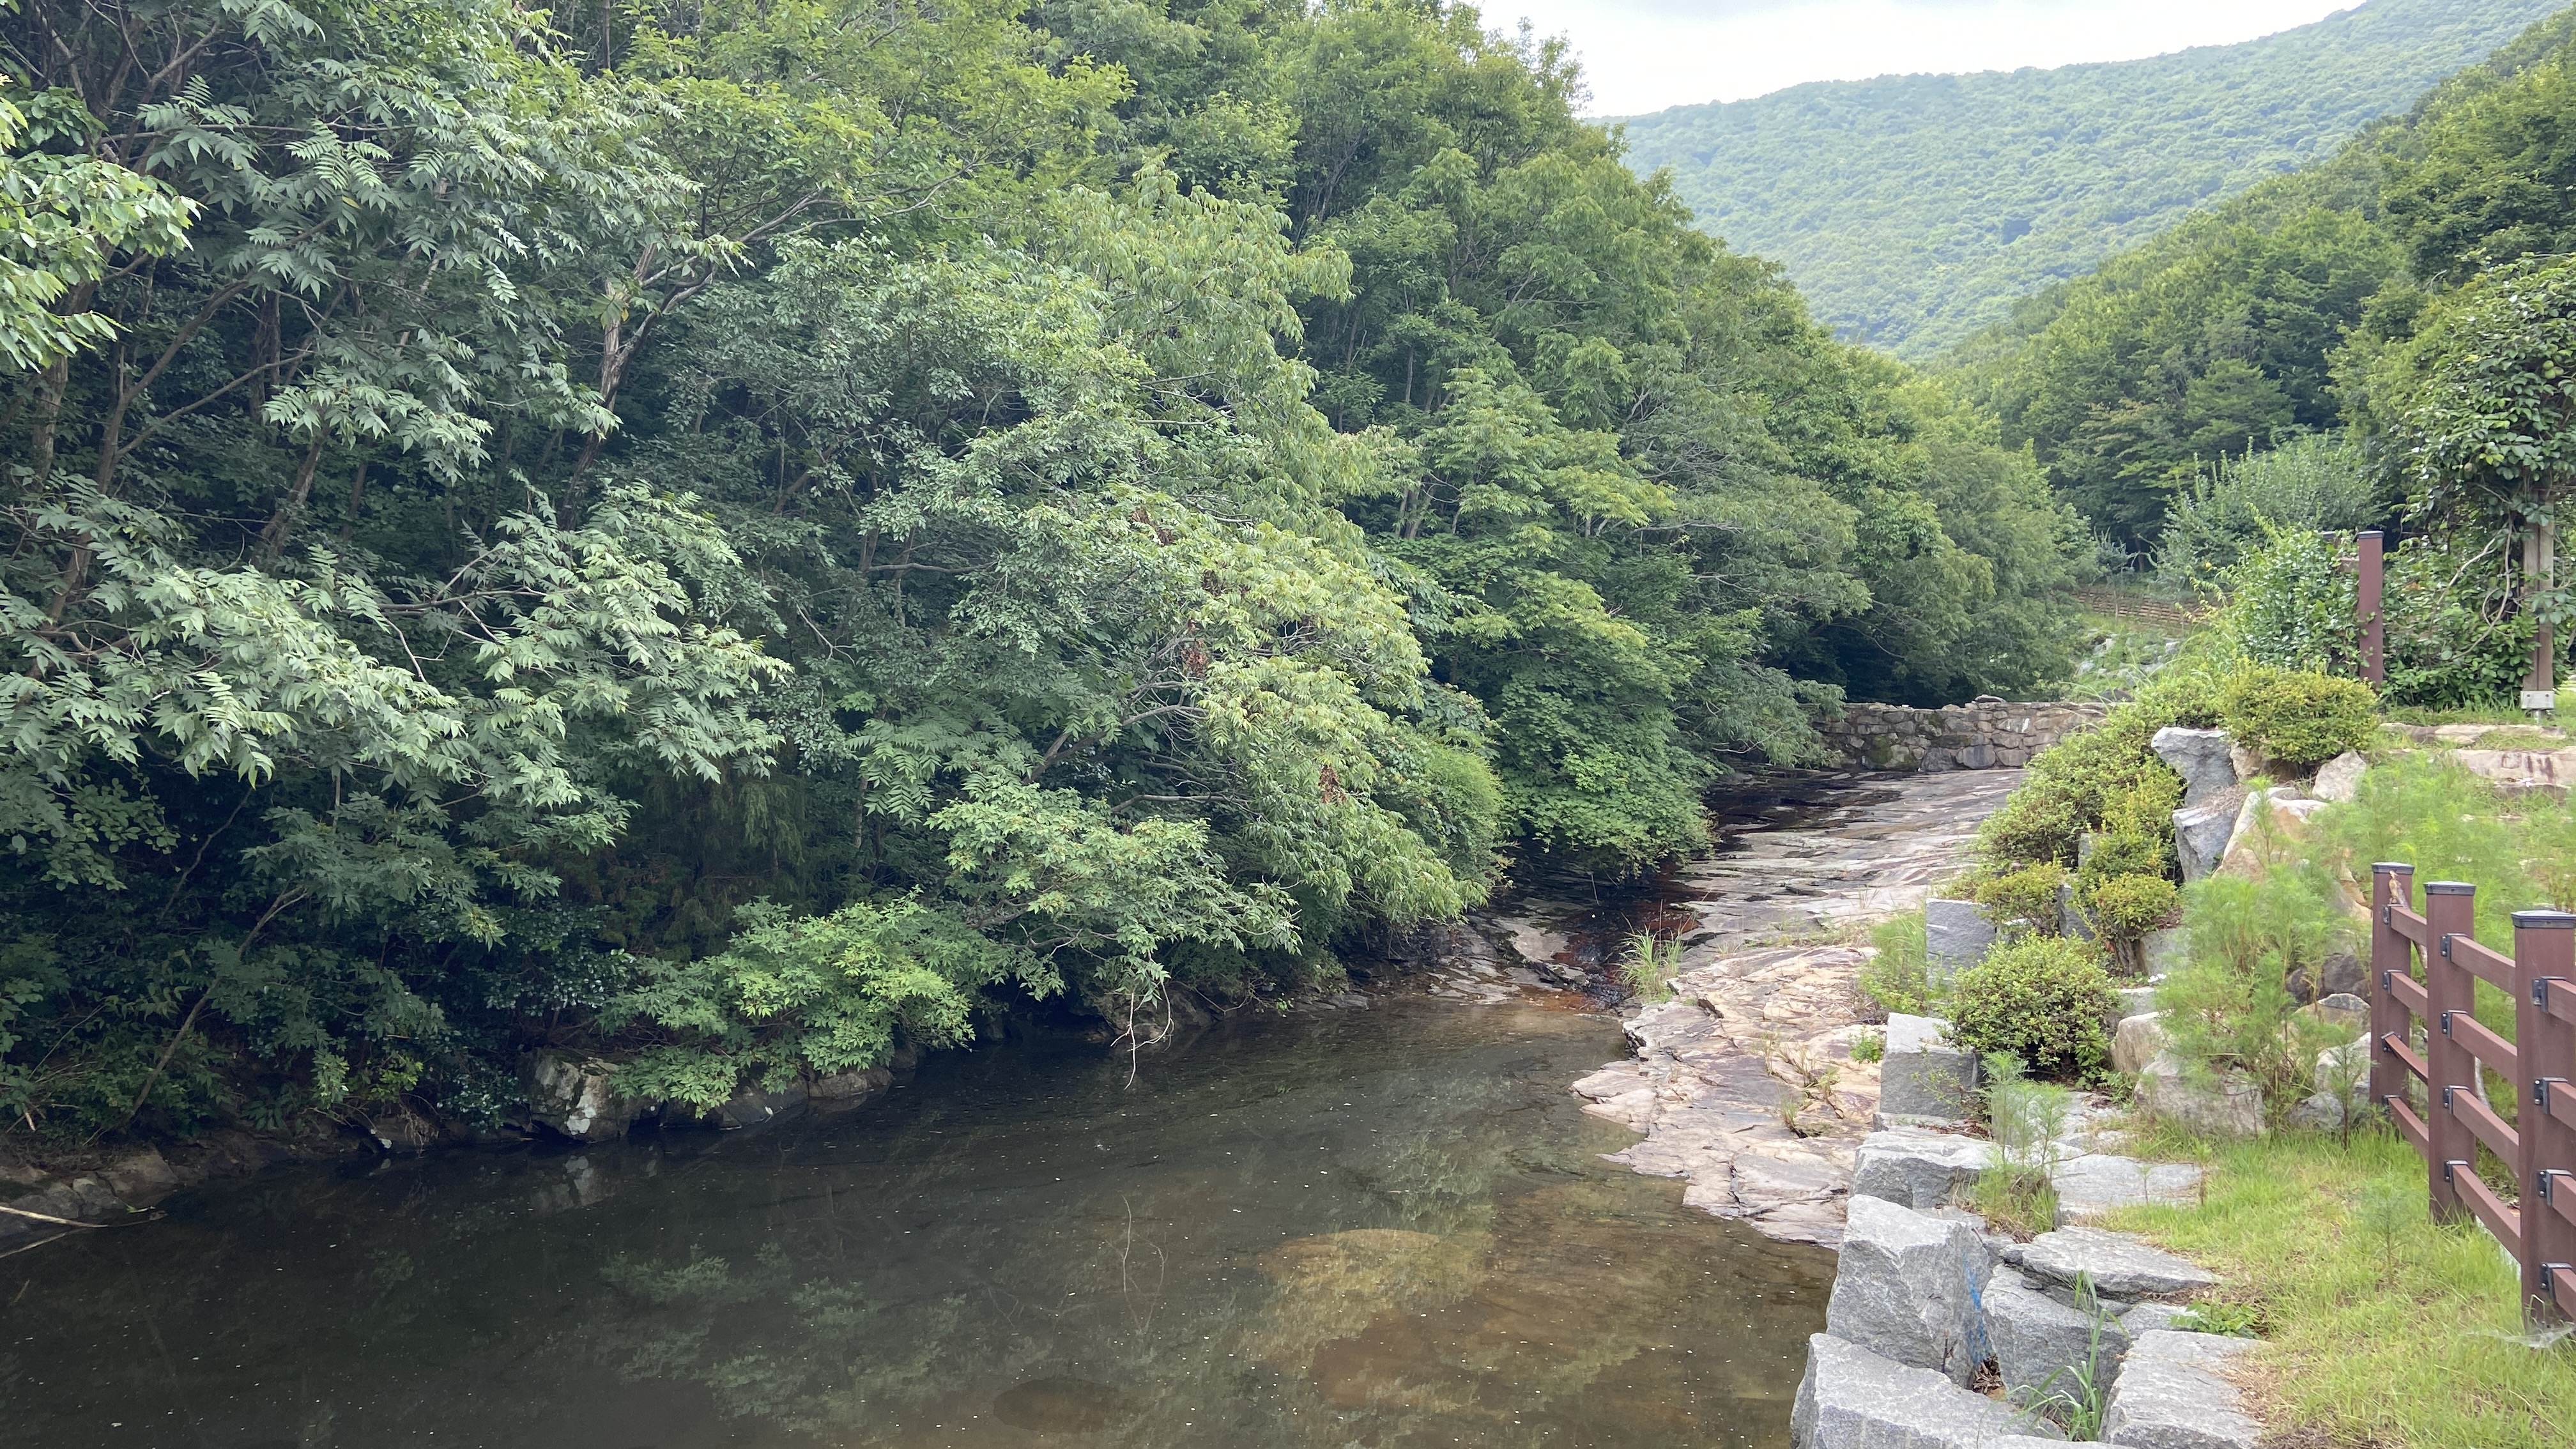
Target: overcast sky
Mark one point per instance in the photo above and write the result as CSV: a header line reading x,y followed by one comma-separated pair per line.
x,y
1644,55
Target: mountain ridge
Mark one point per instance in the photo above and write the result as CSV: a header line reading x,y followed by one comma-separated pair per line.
x,y
1914,209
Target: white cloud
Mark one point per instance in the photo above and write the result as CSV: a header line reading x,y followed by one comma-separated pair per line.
x,y
1644,55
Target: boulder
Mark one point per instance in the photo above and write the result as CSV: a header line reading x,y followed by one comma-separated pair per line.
x,y
2201,834
573,1095
2118,1265
2136,1041
2148,1317
1956,936
2229,1107
2097,1184
850,1086
750,1107
1906,1288
2342,1010
2041,1344
1921,1074
1918,1169
2318,1113
2339,779
2519,770
2173,1393
2340,974
2283,821
2134,1001
2201,757
1851,1398
140,1179
2166,951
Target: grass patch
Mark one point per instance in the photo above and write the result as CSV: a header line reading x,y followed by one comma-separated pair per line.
x,y
2382,1327
2523,738
2472,714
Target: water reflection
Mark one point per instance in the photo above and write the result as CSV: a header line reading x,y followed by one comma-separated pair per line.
x,y
1375,1228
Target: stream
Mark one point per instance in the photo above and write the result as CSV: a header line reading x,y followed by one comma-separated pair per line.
x,y
1377,1226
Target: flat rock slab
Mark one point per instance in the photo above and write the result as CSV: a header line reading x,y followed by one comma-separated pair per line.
x,y
2117,1264
2173,1393
1854,1399
1917,1169
2097,1184
1754,1025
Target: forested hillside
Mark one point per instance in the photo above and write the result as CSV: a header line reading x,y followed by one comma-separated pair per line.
x,y
2269,316
1912,210
740,536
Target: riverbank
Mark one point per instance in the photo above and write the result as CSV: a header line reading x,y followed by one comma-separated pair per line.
x,y
1744,1083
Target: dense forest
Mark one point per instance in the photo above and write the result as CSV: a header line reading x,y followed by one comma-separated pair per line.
x,y
1913,210
746,536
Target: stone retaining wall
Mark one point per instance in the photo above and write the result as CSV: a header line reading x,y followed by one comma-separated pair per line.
x,y
1984,734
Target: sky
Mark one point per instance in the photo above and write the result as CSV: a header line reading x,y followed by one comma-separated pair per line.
x,y
1644,55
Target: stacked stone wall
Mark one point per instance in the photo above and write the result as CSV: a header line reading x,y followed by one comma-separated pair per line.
x,y
1984,734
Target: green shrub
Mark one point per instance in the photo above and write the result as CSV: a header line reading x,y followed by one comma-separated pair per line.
x,y
1899,976
2292,603
2042,998
2230,1007
2215,520
2025,1120
2028,894
2108,771
2298,717
1869,1045
2124,908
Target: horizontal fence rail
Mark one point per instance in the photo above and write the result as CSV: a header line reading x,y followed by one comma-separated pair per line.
x,y
2425,968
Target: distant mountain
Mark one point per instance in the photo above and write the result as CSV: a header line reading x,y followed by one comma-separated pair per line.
x,y
1913,210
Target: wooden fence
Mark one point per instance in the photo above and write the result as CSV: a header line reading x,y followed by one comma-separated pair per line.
x,y
2453,1115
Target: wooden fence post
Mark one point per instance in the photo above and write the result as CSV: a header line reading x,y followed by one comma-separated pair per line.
x,y
2371,570
2450,909
2392,883
2544,955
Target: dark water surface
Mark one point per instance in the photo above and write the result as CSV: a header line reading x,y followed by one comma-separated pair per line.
x,y
1376,1228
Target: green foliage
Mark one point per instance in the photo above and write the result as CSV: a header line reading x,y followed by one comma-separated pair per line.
x,y
1650,966
1916,208
813,995
2041,998
2028,895
2125,907
2293,604
2230,1008
1869,1045
2455,636
2024,1120
2298,717
1897,975
1025,501
2104,779
2244,504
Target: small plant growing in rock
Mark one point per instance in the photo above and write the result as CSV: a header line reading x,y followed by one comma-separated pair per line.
x,y
1869,1045
2026,1121
1899,976
2124,908
1810,1083
2077,1403
1653,961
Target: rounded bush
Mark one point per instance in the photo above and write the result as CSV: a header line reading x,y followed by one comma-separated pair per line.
x,y
2298,717
2042,998
2129,906
2028,894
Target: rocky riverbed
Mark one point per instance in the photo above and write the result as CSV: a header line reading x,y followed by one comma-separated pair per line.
x,y
1744,1083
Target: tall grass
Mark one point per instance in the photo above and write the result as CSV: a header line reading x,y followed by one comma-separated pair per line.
x,y
2384,1329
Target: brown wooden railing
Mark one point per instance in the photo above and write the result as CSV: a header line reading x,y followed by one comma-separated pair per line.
x,y
2452,1117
